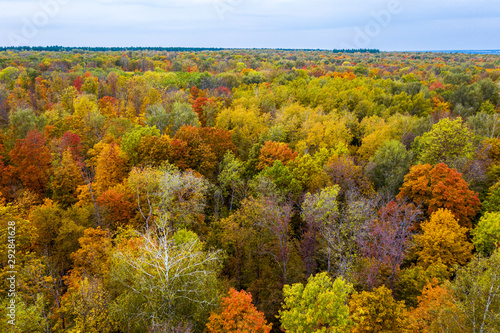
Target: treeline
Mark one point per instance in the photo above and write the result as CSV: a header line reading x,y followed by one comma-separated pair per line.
x,y
56,48
304,191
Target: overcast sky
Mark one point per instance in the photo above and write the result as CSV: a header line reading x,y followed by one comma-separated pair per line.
x,y
326,24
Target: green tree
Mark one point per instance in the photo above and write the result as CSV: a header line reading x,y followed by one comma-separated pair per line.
x,y
132,140
487,233
164,278
320,306
181,114
449,142
157,116
476,294
389,165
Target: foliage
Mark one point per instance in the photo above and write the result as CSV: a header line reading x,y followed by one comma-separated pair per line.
x,y
486,235
441,187
164,277
377,311
319,306
443,240
238,314
448,142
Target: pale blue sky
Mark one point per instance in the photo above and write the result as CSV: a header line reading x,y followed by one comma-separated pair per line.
x,y
387,25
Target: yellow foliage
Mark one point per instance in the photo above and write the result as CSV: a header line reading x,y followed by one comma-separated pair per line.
x,y
443,240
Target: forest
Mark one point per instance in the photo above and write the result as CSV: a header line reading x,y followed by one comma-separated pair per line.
x,y
249,190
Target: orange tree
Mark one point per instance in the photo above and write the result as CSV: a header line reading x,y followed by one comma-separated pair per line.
x,y
441,187
238,314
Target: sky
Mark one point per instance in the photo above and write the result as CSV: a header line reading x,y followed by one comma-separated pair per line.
x,y
388,25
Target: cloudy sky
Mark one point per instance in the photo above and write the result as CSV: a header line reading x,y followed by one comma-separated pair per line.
x,y
326,24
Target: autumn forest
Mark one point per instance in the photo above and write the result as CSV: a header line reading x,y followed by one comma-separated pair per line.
x,y
253,190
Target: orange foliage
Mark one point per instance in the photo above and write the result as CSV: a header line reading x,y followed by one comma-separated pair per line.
x,y
441,187
120,205
273,151
32,158
238,314
154,150
109,107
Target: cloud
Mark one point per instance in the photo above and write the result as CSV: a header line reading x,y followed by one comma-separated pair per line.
x,y
425,24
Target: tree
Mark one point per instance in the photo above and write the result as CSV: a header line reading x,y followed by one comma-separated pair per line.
x,y
180,115
476,295
320,306
273,215
487,233
389,165
443,240
201,156
343,171
412,281
119,204
132,140
434,309
272,151
87,300
32,158
66,178
164,278
238,314
492,202
231,177
377,311
448,142
387,241
154,150
319,212
111,168
441,187
156,116
181,198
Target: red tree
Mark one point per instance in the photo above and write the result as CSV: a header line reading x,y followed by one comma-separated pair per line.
x,y
31,158
441,187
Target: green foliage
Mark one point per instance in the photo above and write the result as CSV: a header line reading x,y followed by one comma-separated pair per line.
x,y
449,142
319,306
132,140
492,202
164,278
181,114
412,281
486,235
476,295
390,164
157,116
23,121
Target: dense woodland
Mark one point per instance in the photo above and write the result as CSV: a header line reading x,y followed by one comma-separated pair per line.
x,y
251,191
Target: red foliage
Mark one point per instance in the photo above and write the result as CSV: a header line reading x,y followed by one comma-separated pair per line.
x,y
31,158
120,206
441,187
72,142
78,83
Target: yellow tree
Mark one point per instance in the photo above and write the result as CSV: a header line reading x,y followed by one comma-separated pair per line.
x,y
65,180
111,168
443,240
377,311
